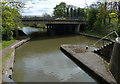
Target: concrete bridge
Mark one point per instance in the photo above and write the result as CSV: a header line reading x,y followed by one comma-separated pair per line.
x,y
51,21
57,25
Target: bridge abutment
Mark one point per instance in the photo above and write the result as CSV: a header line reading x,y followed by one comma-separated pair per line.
x,y
77,30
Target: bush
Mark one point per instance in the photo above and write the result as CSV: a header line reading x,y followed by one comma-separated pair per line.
x,y
91,18
10,21
7,34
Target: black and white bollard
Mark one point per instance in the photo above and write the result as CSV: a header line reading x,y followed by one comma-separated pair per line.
x,y
86,47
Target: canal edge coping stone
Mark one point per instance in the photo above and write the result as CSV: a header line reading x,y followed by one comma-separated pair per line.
x,y
5,76
90,67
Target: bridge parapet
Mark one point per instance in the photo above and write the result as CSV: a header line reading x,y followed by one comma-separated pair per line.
x,y
27,20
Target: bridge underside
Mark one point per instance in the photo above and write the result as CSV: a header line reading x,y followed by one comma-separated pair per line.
x,y
53,29
58,26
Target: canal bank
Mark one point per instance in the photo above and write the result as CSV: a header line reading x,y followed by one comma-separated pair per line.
x,y
8,67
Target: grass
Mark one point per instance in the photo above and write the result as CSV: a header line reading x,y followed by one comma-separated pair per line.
x,y
98,34
94,33
4,44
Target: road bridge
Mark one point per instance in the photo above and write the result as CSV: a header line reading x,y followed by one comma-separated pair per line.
x,y
51,21
57,25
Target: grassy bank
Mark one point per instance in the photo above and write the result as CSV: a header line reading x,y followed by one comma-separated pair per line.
x,y
98,34
4,44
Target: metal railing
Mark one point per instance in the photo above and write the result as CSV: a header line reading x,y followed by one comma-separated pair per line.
x,y
105,37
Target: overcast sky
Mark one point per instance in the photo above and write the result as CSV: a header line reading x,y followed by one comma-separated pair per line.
x,y
38,7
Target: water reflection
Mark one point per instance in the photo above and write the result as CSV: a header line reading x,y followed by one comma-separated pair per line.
x,y
29,30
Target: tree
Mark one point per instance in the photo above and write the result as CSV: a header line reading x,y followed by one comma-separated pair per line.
x,y
64,10
10,21
71,12
46,15
81,13
92,12
60,10
92,17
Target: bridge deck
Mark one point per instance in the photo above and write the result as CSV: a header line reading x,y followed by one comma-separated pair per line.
x,y
51,21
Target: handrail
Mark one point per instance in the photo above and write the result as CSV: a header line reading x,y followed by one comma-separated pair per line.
x,y
105,37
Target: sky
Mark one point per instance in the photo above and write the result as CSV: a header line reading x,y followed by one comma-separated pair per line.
x,y
39,7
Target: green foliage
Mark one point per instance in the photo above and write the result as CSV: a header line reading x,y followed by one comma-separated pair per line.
x,y
46,15
112,15
59,10
64,10
7,43
92,17
81,13
10,21
103,17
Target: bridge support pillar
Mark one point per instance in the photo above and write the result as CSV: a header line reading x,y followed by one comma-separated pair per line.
x,y
71,29
50,29
77,28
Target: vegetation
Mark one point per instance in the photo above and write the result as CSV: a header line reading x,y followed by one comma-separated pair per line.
x,y
103,17
10,21
68,11
7,43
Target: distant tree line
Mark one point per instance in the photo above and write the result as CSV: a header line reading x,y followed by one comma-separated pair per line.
x,y
70,11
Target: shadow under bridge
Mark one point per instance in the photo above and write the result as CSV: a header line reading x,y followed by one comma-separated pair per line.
x,y
56,26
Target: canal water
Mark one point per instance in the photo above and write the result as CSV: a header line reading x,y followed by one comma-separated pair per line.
x,y
40,60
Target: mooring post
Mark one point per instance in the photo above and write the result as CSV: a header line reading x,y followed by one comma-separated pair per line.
x,y
115,60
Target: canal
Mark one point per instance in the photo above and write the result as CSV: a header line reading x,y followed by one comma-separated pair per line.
x,y
40,60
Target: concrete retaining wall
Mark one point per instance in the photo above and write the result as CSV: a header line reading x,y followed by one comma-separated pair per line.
x,y
105,51
115,60
11,62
